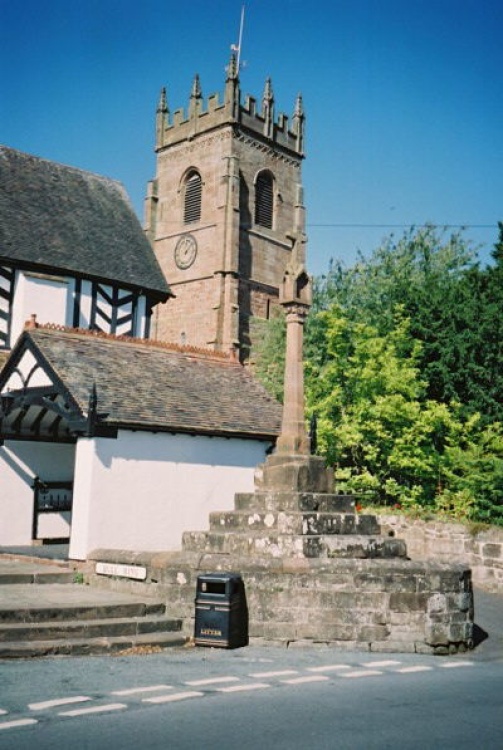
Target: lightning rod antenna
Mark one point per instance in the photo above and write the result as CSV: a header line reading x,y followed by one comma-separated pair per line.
x,y
237,47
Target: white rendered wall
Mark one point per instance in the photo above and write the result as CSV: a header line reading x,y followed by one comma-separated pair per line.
x,y
86,298
54,525
143,490
27,373
86,304
20,462
140,323
52,301
47,298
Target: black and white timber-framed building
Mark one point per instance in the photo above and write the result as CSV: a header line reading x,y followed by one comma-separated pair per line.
x,y
72,252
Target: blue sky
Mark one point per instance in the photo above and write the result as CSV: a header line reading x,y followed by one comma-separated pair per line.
x,y
404,100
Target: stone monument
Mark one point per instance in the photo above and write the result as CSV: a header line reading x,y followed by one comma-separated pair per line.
x,y
315,570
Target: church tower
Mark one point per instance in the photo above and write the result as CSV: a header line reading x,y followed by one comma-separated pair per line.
x,y
224,212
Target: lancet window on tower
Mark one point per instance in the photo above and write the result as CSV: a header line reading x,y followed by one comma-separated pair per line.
x,y
192,198
264,200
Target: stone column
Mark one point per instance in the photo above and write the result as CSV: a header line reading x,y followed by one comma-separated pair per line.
x,y
291,467
294,439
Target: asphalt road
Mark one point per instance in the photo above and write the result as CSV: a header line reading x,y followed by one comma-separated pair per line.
x,y
250,698
253,698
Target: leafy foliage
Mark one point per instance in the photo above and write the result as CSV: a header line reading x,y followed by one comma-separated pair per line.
x,y
268,353
404,370
386,439
455,311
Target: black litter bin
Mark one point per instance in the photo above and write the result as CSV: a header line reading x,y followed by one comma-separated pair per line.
x,y
221,611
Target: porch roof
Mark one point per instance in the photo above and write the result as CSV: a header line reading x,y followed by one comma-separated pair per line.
x,y
148,385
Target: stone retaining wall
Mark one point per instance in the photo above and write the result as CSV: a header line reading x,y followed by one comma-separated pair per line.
x,y
444,542
367,605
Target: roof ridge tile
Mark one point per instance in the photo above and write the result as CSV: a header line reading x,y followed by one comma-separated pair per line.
x,y
193,351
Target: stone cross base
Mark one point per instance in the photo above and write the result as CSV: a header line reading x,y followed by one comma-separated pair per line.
x,y
315,571
381,606
295,473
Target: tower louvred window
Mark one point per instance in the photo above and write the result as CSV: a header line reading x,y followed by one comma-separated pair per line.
x,y
192,204
264,200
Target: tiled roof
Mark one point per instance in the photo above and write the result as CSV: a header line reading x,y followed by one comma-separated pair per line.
x,y
152,386
58,218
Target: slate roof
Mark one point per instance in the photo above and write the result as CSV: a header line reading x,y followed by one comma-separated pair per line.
x,y
150,385
58,218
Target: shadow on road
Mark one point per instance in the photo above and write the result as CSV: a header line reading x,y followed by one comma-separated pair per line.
x,y
488,628
479,635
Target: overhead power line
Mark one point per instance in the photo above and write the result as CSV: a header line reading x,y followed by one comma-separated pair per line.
x,y
402,226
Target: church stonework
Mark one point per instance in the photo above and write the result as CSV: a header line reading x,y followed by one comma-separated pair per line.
x,y
223,212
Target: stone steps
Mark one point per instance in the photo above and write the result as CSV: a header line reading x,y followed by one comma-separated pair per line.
x,y
82,629
88,646
315,571
372,604
356,546
13,572
60,612
45,577
38,617
275,545
277,500
300,523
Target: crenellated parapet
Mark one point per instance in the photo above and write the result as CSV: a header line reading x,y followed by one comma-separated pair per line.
x,y
202,116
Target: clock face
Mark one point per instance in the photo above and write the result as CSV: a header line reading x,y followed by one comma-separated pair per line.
x,y
185,251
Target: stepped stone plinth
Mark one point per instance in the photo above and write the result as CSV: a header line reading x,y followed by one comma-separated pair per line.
x,y
292,514
316,571
270,500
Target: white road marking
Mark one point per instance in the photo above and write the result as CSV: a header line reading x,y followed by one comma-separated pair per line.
x,y
454,664
212,681
410,670
17,723
329,668
174,697
362,673
303,680
149,689
58,702
94,709
281,673
386,663
241,688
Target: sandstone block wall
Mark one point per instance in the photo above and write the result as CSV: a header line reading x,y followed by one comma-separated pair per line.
x,y
228,158
481,550
366,605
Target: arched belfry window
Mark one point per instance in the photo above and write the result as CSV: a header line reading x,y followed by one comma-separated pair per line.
x,y
264,199
192,197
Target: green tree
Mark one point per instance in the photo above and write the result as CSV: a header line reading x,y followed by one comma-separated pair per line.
x,y
481,374
415,271
472,473
267,356
455,311
404,368
381,433
367,397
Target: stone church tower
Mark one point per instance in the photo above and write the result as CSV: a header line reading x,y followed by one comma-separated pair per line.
x,y
224,212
